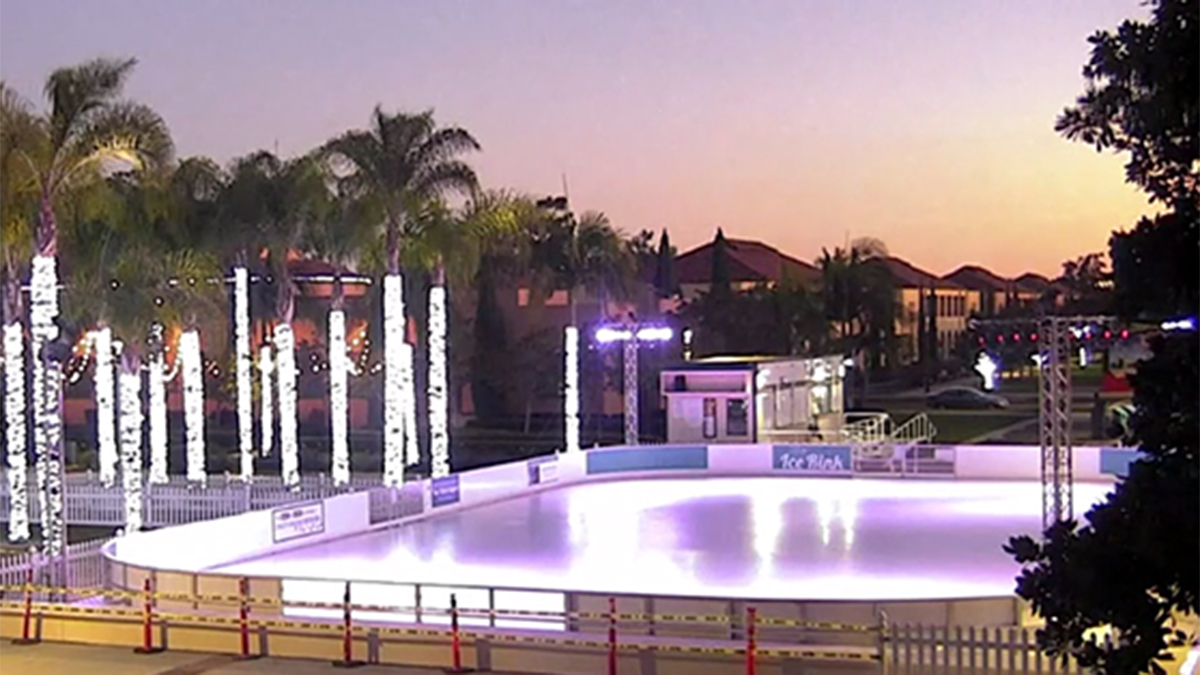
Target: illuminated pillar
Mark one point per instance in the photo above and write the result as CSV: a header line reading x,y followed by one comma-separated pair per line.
x,y
245,402
571,388
393,380
630,362
193,405
131,448
408,403
16,435
439,436
338,397
285,357
265,366
157,384
43,309
105,385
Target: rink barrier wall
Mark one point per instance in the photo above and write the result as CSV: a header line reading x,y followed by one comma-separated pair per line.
x,y
257,533
175,560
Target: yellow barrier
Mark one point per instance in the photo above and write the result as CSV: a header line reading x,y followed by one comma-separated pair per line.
x,y
633,643
253,602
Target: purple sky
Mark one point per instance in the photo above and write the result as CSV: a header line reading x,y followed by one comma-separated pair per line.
x,y
927,124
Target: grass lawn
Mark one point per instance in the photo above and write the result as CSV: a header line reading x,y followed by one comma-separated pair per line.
x,y
956,427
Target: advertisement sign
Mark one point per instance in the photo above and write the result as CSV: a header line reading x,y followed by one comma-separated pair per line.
x,y
650,458
444,491
821,460
297,521
542,470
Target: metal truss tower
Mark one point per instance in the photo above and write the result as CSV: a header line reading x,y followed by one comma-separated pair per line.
x,y
1054,419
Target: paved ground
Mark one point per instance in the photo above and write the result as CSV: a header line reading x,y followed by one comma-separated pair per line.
x,y
51,659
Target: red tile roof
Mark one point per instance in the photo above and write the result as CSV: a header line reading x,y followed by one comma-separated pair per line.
x,y
907,275
979,279
1031,281
749,261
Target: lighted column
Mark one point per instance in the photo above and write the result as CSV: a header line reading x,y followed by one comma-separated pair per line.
x,y
571,387
408,403
16,433
47,422
285,357
157,385
105,385
338,397
630,361
193,405
439,436
131,448
267,423
245,397
393,380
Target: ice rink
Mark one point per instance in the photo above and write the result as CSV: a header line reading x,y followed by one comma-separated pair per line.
x,y
786,538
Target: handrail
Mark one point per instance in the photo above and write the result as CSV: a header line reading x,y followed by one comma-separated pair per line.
x,y
916,429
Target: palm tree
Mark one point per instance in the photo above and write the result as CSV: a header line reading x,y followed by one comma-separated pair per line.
x,y
21,137
400,164
859,297
341,238
584,255
89,129
281,201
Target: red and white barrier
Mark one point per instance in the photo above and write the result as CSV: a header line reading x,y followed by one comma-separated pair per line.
x,y
244,619
751,644
27,614
147,621
612,636
348,660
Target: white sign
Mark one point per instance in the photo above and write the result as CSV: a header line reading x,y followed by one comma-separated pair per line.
x,y
547,472
297,521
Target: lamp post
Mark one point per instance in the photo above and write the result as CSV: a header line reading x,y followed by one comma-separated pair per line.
x,y
632,336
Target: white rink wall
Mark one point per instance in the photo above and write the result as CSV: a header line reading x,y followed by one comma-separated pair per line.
x,y
203,545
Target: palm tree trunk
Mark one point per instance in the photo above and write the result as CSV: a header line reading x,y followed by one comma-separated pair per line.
x,y
47,413
285,356
571,380
132,422
105,390
245,395
338,397
439,436
157,385
16,436
193,405
267,422
393,379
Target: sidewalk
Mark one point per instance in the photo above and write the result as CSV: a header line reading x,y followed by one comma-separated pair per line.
x,y
52,658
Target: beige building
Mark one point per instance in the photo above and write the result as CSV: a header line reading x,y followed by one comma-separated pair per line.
x,y
954,305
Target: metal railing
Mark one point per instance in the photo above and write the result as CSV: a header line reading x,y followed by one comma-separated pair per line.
x,y
177,502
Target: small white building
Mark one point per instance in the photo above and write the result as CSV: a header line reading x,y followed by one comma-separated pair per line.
x,y
753,399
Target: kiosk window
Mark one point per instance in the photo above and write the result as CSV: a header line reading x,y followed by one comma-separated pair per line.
x,y
736,417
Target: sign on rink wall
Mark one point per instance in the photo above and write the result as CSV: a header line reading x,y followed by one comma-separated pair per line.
x,y
822,460
444,491
543,470
297,521
649,458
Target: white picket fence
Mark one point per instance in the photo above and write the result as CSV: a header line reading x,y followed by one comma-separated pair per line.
x,y
85,567
88,502
958,650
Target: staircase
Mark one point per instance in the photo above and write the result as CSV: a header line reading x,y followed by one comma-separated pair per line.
x,y
882,449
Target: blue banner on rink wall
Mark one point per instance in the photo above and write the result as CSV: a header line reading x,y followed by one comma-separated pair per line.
x,y
1116,461
652,458
542,469
444,491
820,460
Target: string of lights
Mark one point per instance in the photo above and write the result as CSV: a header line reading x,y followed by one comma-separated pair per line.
x,y
285,360
393,380
571,387
267,422
104,384
338,397
131,448
439,437
193,405
43,310
16,432
245,403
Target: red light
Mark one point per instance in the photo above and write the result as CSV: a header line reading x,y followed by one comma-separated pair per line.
x,y
1108,335
1016,337
1125,334
1033,337
1000,339
982,341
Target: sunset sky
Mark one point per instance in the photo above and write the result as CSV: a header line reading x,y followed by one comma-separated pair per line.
x,y
926,123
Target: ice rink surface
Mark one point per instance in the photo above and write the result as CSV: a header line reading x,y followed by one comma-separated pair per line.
x,y
788,538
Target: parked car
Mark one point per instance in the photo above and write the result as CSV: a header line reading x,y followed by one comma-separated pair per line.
x,y
965,398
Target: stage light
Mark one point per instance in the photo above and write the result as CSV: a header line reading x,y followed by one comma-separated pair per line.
x,y
988,368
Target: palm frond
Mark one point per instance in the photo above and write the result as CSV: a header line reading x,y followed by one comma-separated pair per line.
x,y
124,133
75,91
